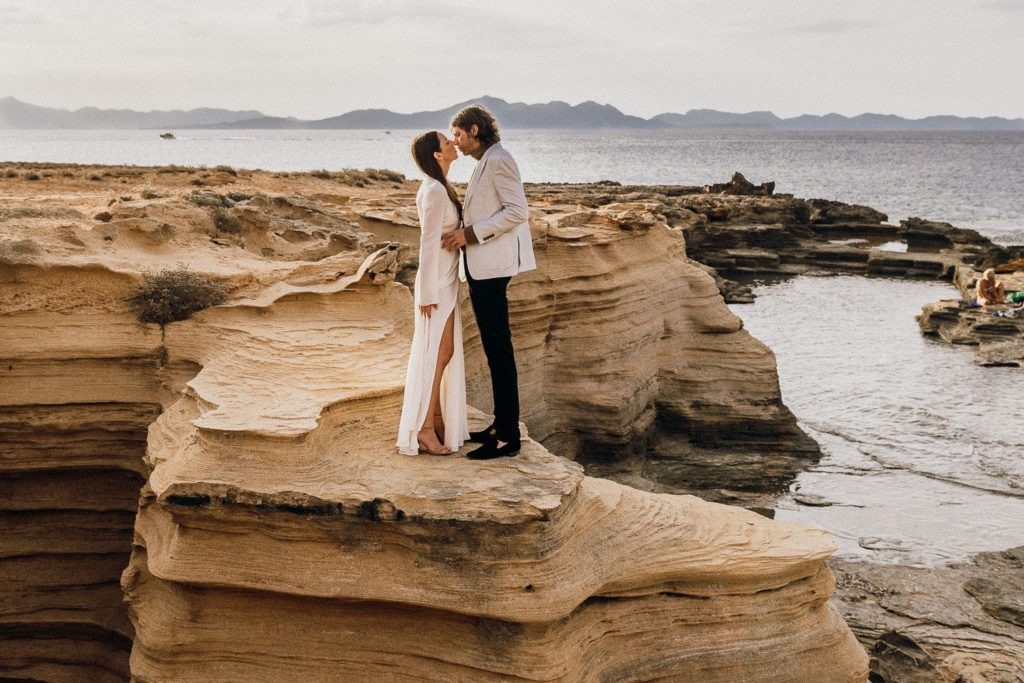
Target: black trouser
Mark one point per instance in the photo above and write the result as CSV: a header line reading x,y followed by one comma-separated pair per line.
x,y
490,306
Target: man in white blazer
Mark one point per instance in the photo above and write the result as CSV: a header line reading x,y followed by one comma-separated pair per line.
x,y
496,245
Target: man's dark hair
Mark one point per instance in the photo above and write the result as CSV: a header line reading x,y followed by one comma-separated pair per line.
x,y
487,127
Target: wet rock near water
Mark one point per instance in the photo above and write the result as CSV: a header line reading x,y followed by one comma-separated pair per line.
x,y
740,185
821,238
996,332
745,231
963,622
742,232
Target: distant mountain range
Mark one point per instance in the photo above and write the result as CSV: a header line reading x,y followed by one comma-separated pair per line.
x,y
512,115
17,114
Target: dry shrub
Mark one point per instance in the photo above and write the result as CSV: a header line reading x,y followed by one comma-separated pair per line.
x,y
174,294
362,178
225,222
384,175
226,169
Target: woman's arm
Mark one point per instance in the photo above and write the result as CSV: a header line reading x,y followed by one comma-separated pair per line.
x,y
431,208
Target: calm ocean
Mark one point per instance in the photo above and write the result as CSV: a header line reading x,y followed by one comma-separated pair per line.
x,y
971,179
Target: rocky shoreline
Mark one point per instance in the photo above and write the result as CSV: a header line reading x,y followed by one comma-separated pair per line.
x,y
745,231
997,332
963,622
633,367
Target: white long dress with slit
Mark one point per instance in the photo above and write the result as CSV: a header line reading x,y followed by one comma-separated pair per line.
x,y
437,282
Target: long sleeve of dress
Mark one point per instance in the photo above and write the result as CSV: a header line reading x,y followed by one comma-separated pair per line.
x,y
514,209
432,206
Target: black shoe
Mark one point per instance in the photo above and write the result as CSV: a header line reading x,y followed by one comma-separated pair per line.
x,y
491,450
488,433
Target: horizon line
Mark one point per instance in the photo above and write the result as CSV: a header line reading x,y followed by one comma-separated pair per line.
x,y
484,97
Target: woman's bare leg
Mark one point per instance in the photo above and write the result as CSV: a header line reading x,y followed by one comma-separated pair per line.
x,y
445,351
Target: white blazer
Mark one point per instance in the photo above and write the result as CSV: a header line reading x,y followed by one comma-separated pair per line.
x,y
496,208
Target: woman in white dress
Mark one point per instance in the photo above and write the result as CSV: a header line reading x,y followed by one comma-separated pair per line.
x,y
434,409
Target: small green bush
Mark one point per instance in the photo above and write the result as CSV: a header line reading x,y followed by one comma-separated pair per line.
x,y
32,176
322,173
174,294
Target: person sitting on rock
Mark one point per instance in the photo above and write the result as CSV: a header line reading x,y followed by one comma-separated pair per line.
x,y
988,291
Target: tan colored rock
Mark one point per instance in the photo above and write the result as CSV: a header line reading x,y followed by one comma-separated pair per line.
x,y
278,526
306,498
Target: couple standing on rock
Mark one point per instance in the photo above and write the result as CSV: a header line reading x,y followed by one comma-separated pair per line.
x,y
491,233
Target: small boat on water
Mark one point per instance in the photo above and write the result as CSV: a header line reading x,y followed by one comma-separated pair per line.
x,y
167,136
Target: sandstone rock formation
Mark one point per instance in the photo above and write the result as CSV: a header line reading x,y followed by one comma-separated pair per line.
x,y
276,524
78,388
631,365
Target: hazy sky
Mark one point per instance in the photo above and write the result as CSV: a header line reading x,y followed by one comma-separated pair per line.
x,y
317,58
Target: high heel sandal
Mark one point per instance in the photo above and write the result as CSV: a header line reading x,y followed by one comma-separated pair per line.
x,y
444,449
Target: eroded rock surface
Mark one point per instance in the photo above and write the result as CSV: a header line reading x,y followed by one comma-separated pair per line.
x,y
277,525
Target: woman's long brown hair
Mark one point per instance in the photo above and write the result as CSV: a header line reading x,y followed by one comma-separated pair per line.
x,y
423,149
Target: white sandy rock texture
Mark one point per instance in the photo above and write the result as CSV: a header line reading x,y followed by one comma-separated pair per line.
x,y
220,499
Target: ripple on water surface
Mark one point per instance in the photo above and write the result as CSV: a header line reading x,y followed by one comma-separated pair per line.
x,y
924,450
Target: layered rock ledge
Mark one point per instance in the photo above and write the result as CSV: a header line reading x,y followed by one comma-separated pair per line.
x,y
996,331
276,526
